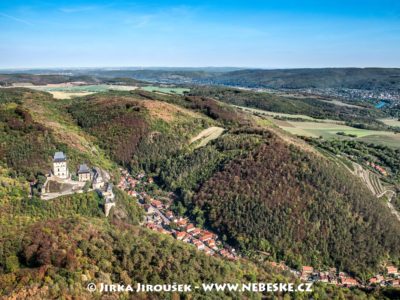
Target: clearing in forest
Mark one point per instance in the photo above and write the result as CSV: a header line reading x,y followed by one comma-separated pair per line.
x,y
207,135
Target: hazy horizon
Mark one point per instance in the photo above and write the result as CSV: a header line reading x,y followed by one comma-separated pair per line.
x,y
138,68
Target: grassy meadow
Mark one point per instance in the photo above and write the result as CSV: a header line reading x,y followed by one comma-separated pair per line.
x,y
167,90
329,131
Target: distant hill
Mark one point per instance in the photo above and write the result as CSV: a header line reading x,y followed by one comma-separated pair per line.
x,y
351,78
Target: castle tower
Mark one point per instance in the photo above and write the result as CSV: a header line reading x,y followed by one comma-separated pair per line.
x,y
60,168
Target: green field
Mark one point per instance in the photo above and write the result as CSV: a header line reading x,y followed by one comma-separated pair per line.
x,y
167,90
84,88
276,114
330,130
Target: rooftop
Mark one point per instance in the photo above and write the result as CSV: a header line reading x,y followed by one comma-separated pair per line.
x,y
83,169
59,156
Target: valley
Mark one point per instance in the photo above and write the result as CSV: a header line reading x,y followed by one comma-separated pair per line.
x,y
266,189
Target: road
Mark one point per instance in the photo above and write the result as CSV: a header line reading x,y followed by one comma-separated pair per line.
x,y
164,218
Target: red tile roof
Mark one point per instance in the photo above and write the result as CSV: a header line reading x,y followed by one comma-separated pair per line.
x,y
307,269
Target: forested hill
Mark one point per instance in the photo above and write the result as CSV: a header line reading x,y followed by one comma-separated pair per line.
x,y
351,78
53,249
248,184
278,198
384,79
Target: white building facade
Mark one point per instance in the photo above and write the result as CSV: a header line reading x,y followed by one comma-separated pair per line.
x,y
60,166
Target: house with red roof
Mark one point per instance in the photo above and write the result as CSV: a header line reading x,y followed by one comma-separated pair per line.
x,y
195,232
391,270
211,244
307,270
198,244
373,280
206,236
348,281
190,227
179,235
187,238
182,223
157,204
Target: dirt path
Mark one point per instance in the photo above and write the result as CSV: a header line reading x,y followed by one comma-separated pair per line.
x,y
207,135
364,175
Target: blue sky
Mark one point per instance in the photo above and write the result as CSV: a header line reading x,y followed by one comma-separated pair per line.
x,y
262,34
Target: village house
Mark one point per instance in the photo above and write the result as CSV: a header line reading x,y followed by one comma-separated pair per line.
x,y
211,244
348,281
307,270
157,204
179,235
391,270
190,227
206,236
199,245
195,232
182,223
84,173
225,253
60,167
373,280
187,238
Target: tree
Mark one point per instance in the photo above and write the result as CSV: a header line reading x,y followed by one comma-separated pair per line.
x,y
12,264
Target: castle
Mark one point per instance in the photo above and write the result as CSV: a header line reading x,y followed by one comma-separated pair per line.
x,y
99,179
84,173
60,168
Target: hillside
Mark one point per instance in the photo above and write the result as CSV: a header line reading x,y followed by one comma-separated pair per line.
x,y
201,177
351,78
54,248
141,129
323,78
247,183
313,107
9,79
